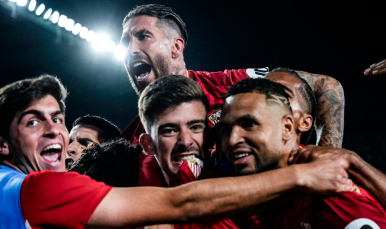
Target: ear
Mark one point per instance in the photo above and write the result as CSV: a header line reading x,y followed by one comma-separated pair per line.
x,y
4,149
147,144
288,127
305,123
178,45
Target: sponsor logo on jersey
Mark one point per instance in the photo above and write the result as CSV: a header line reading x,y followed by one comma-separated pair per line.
x,y
362,223
214,116
257,72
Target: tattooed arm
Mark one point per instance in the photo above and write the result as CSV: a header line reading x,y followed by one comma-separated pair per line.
x,y
329,117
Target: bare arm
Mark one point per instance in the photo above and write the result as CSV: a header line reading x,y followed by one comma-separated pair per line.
x,y
213,198
363,173
330,114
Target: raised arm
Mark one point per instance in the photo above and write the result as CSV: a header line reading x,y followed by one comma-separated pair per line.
x,y
362,172
330,114
214,198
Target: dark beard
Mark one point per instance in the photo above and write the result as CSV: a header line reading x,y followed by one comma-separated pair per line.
x,y
161,67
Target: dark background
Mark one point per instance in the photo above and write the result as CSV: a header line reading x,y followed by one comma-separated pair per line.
x,y
336,39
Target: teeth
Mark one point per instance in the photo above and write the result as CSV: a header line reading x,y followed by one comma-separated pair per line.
x,y
241,155
53,146
137,64
189,157
142,76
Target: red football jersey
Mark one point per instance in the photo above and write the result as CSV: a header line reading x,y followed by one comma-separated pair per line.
x,y
60,200
214,85
347,210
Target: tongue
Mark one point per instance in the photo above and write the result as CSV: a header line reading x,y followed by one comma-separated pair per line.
x,y
50,156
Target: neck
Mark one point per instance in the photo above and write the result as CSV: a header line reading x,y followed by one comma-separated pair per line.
x,y
179,66
292,145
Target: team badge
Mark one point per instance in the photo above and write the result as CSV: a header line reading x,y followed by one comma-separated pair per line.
x,y
214,116
362,223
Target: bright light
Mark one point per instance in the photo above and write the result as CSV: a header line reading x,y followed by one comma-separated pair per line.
x,y
40,9
90,36
76,29
110,46
32,5
47,14
69,24
83,32
62,20
55,17
119,52
12,0
22,2
100,42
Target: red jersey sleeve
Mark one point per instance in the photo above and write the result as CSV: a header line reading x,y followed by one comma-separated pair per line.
x,y
66,200
358,205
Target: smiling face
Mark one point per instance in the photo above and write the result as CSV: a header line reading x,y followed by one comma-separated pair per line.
x,y
148,51
252,133
81,136
178,133
39,137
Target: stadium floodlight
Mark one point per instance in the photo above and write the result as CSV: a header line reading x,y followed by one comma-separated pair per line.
x,y
83,32
119,52
110,46
76,29
100,42
47,14
69,24
32,5
62,20
90,36
40,9
55,17
22,2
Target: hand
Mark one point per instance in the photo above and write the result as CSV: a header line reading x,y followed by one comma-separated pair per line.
x,y
376,69
324,176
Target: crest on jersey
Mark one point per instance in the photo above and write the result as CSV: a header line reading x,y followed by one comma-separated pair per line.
x,y
214,116
362,223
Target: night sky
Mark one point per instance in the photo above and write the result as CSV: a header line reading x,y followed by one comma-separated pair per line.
x,y
335,39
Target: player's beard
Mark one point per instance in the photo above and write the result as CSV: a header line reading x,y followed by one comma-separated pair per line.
x,y
263,163
161,67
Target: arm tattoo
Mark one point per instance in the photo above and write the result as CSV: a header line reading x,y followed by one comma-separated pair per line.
x,y
330,114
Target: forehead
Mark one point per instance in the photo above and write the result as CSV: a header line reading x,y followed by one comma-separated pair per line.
x,y
85,131
140,23
245,104
48,102
183,113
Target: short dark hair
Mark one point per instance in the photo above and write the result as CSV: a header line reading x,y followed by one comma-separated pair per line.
x,y
114,162
308,96
164,14
272,90
167,92
109,130
18,95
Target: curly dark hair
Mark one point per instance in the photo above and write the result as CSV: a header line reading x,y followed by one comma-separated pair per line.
x,y
114,162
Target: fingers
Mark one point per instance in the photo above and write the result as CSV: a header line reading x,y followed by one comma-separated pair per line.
x,y
376,69
302,155
346,186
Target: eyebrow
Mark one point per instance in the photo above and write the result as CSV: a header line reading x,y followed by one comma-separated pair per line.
x,y
37,113
171,124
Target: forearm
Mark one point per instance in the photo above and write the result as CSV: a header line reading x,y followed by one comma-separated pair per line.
x,y
197,201
330,113
369,178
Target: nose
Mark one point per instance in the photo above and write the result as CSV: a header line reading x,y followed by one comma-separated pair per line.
x,y
185,139
51,129
133,48
235,137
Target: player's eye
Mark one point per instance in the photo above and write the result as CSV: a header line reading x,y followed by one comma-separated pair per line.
x,y
197,128
58,120
248,124
225,130
32,123
168,132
